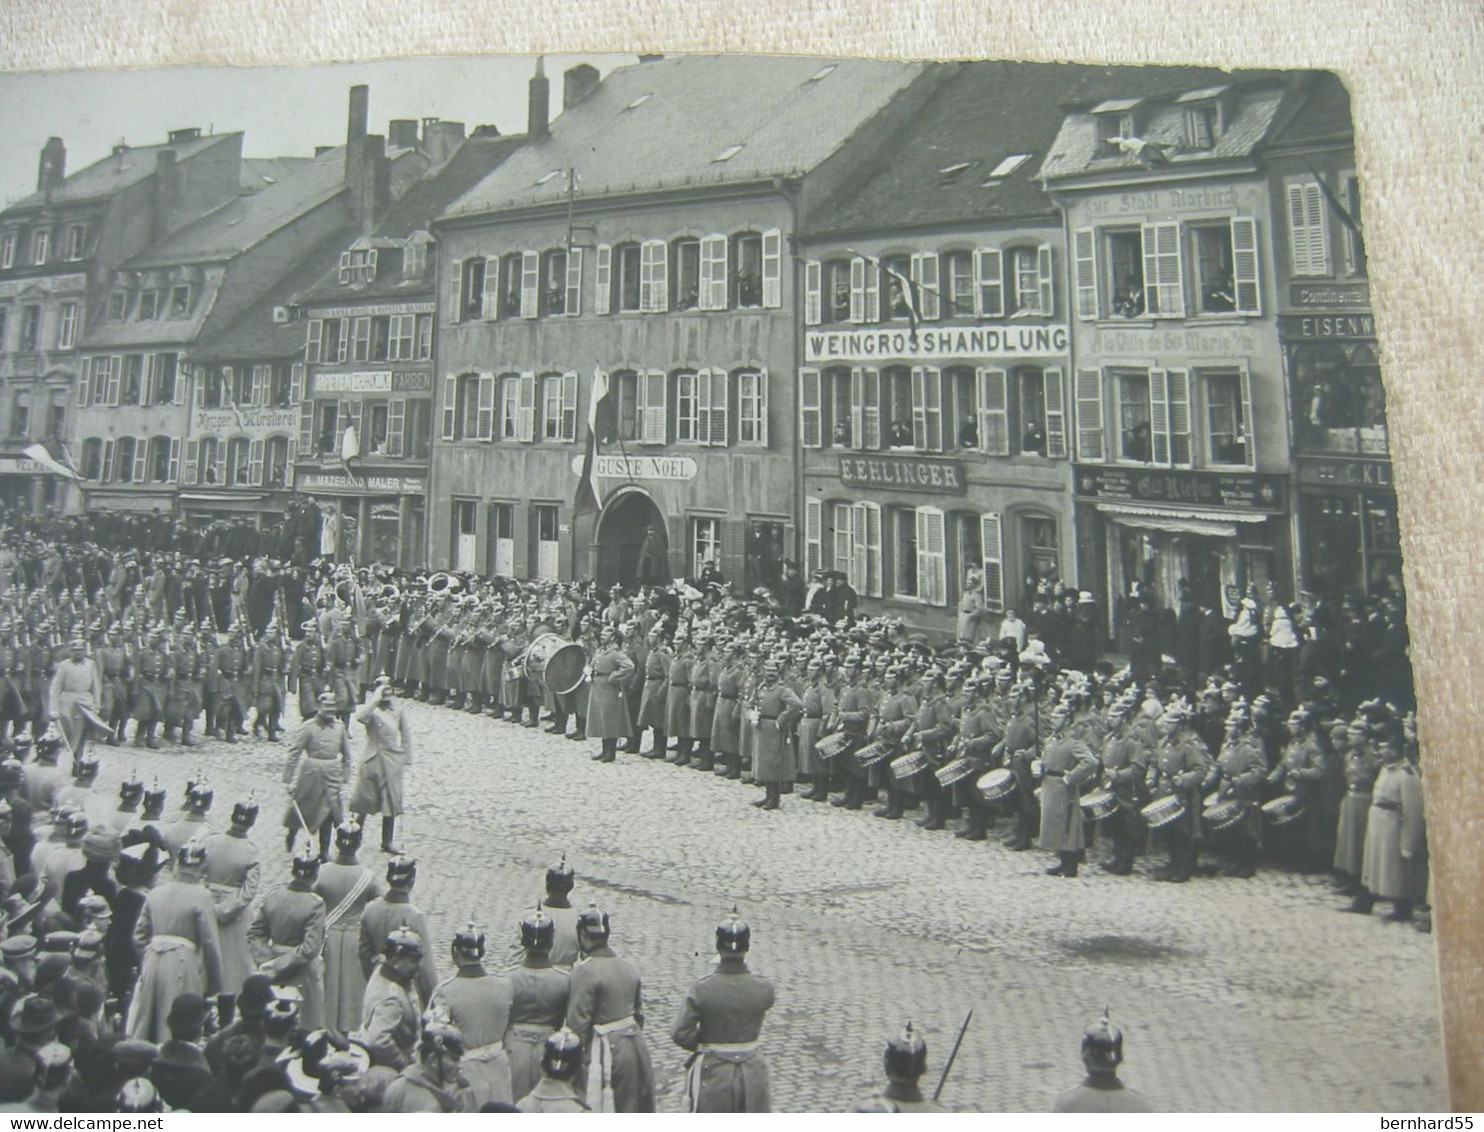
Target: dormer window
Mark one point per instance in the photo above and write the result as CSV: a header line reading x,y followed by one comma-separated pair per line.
x,y
7,250
358,267
1202,125
415,259
180,300
149,304
77,236
118,305
41,246
1115,120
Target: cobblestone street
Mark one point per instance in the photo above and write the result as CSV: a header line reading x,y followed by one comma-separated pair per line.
x,y
1232,994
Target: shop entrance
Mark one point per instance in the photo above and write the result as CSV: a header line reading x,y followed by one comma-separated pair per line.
x,y
632,545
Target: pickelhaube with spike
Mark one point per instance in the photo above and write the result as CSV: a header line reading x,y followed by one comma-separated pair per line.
x,y
305,865
733,936
245,814
906,1055
561,1056
348,836
594,921
468,944
560,878
1102,1044
537,931
401,872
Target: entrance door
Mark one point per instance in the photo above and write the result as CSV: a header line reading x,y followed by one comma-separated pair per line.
x,y
546,541
633,545
502,524
764,565
464,550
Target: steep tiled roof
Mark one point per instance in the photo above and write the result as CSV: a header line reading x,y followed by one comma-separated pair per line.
x,y
242,223
119,171
693,121
1324,115
1253,99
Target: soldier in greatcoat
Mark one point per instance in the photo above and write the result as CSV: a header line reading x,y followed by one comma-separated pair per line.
x,y
232,878
606,1010
705,664
1180,768
1241,769
1394,865
270,661
308,670
388,753
395,910
776,709
183,698
720,1023
347,887
478,1003
176,936
287,937
1067,765
1101,1090
607,710
75,685
555,1090
654,698
391,1012
315,774
538,1002
1127,751
905,1061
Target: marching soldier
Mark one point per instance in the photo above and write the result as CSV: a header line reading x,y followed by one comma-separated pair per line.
x,y
396,910
131,791
192,825
287,937
232,877
719,1024
558,907
606,1011
905,1061
149,691
391,1012
75,685
561,1065
347,887
230,666
183,700
343,654
113,671
269,661
776,710
1101,1090
478,1003
538,1003
308,670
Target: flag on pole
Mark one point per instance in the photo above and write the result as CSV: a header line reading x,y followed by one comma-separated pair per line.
x,y
54,457
350,449
587,500
909,289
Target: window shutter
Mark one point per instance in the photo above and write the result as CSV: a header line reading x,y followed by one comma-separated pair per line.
x,y
857,407
857,290
1244,265
342,344
871,431
190,473
844,541
569,407
306,427
813,535
530,284
525,418
762,407
772,269
1085,265
932,559
343,421
220,464
925,275
85,384
1308,235
450,406
288,467
105,474
485,422
653,427
994,411
489,302
860,557
344,267
713,273
1046,279
1162,281
141,458
172,472
312,340
992,561
396,425
255,463
714,425
296,383
1056,413
654,282
603,284
810,413
115,376
574,281
455,292
813,293
261,384
1159,417
1090,439
1179,397
149,393
919,408
179,392
1251,433
989,284
873,291
873,549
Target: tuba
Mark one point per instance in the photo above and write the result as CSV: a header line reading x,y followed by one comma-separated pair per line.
x,y
443,583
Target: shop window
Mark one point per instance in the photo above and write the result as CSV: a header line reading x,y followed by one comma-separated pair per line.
x,y
20,413
836,296
1227,424
747,270
958,274
276,462
626,278
554,281
1124,255
705,545
207,473
1340,402
685,273
327,442
92,459
123,459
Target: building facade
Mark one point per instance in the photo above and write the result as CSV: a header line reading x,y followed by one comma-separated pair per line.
x,y
1181,476
646,242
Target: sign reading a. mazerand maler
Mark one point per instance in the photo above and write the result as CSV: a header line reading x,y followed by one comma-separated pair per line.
x,y
936,343
903,473
640,467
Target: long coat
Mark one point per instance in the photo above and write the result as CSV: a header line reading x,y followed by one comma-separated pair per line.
x,y
232,876
1068,763
778,712
677,693
388,753
1361,769
1182,765
176,933
607,710
606,992
346,890
652,701
703,672
726,720
538,1007
478,1003
1395,862
288,940
726,1008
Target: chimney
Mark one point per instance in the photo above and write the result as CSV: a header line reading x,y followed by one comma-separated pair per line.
x,y
579,82
167,194
402,133
355,131
538,120
371,196
441,139
52,170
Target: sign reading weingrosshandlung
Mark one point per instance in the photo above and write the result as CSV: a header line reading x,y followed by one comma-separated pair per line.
x,y
935,343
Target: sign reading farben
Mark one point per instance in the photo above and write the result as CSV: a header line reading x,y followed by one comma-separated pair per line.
x,y
935,344
905,473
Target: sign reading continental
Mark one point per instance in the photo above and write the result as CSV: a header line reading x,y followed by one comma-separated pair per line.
x,y
640,467
903,473
373,381
935,343
220,422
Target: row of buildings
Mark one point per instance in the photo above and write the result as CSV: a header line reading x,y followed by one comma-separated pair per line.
x,y
1108,326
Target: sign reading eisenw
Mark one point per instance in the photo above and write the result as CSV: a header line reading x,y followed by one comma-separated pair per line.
x,y
1242,491
904,473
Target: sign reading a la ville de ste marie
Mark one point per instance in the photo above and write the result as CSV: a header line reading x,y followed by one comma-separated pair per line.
x,y
936,343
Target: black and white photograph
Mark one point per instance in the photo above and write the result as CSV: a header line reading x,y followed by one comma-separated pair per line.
x,y
703,583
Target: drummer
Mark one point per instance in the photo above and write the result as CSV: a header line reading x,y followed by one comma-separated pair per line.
x,y
1127,752
1242,769
895,715
1301,772
852,716
1182,765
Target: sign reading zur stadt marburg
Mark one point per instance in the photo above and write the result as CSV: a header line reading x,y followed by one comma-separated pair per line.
x,y
936,343
640,467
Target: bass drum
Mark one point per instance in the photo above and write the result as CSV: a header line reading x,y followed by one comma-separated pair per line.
x,y
555,663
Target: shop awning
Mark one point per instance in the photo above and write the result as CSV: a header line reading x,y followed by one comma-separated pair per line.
x,y
1179,520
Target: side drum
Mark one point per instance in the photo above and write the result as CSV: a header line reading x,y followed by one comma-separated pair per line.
x,y
996,784
1099,804
555,663
1164,811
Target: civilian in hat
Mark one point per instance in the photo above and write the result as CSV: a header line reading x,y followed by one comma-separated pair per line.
x,y
181,1072
177,937
75,686
17,836
137,867
33,1022
100,849
256,993
18,949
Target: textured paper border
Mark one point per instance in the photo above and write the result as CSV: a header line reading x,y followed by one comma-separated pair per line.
x,y
1416,71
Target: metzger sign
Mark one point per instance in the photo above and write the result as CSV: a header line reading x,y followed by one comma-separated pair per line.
x,y
903,473
935,344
